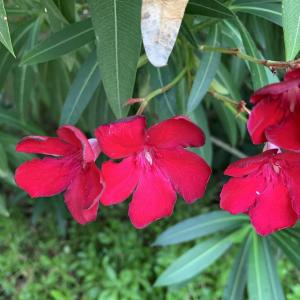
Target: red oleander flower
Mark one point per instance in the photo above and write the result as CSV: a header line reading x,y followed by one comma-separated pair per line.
x,y
267,188
276,114
71,169
155,165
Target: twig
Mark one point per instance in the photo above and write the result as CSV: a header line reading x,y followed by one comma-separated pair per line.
x,y
272,64
160,91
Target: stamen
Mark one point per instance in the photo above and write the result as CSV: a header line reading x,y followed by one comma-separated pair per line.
x,y
148,157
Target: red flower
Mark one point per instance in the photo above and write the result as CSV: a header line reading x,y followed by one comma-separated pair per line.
x,y
276,114
71,169
154,166
267,187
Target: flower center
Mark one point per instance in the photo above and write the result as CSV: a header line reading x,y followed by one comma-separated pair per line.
x,y
148,157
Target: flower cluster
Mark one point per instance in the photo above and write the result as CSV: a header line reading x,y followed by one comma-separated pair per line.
x,y
154,166
267,186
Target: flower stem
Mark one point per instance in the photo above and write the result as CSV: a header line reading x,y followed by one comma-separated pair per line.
x,y
236,107
272,64
160,91
227,147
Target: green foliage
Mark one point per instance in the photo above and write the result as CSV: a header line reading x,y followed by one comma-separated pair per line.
x,y
57,78
291,27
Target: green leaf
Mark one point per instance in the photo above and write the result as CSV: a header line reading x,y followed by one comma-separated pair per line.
x,y
81,91
7,118
56,18
5,172
118,37
291,27
193,262
200,118
268,11
237,279
68,39
211,8
258,73
7,61
227,119
199,226
4,30
263,281
3,209
206,72
288,246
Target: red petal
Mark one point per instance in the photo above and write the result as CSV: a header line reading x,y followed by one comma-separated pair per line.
x,y
293,74
177,131
287,134
45,177
274,89
249,165
239,194
122,138
293,183
44,145
266,113
153,199
273,210
188,172
82,196
75,137
120,180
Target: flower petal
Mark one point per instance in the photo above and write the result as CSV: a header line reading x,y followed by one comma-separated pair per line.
x,y
120,180
122,138
177,131
249,165
273,90
266,113
239,194
187,171
293,183
293,74
287,134
273,210
82,196
153,199
44,145
45,177
75,137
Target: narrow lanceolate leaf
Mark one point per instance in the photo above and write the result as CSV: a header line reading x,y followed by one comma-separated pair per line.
x,y
193,262
258,72
200,118
268,11
236,284
4,30
263,281
211,8
161,21
199,226
288,246
9,119
206,72
5,172
291,27
3,210
68,39
81,91
118,35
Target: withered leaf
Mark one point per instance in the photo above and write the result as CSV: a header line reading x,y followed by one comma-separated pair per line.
x,y
161,20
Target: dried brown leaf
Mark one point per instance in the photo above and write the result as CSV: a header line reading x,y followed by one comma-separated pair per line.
x,y
161,20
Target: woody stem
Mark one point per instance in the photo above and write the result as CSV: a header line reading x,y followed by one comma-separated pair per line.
x,y
160,91
273,64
